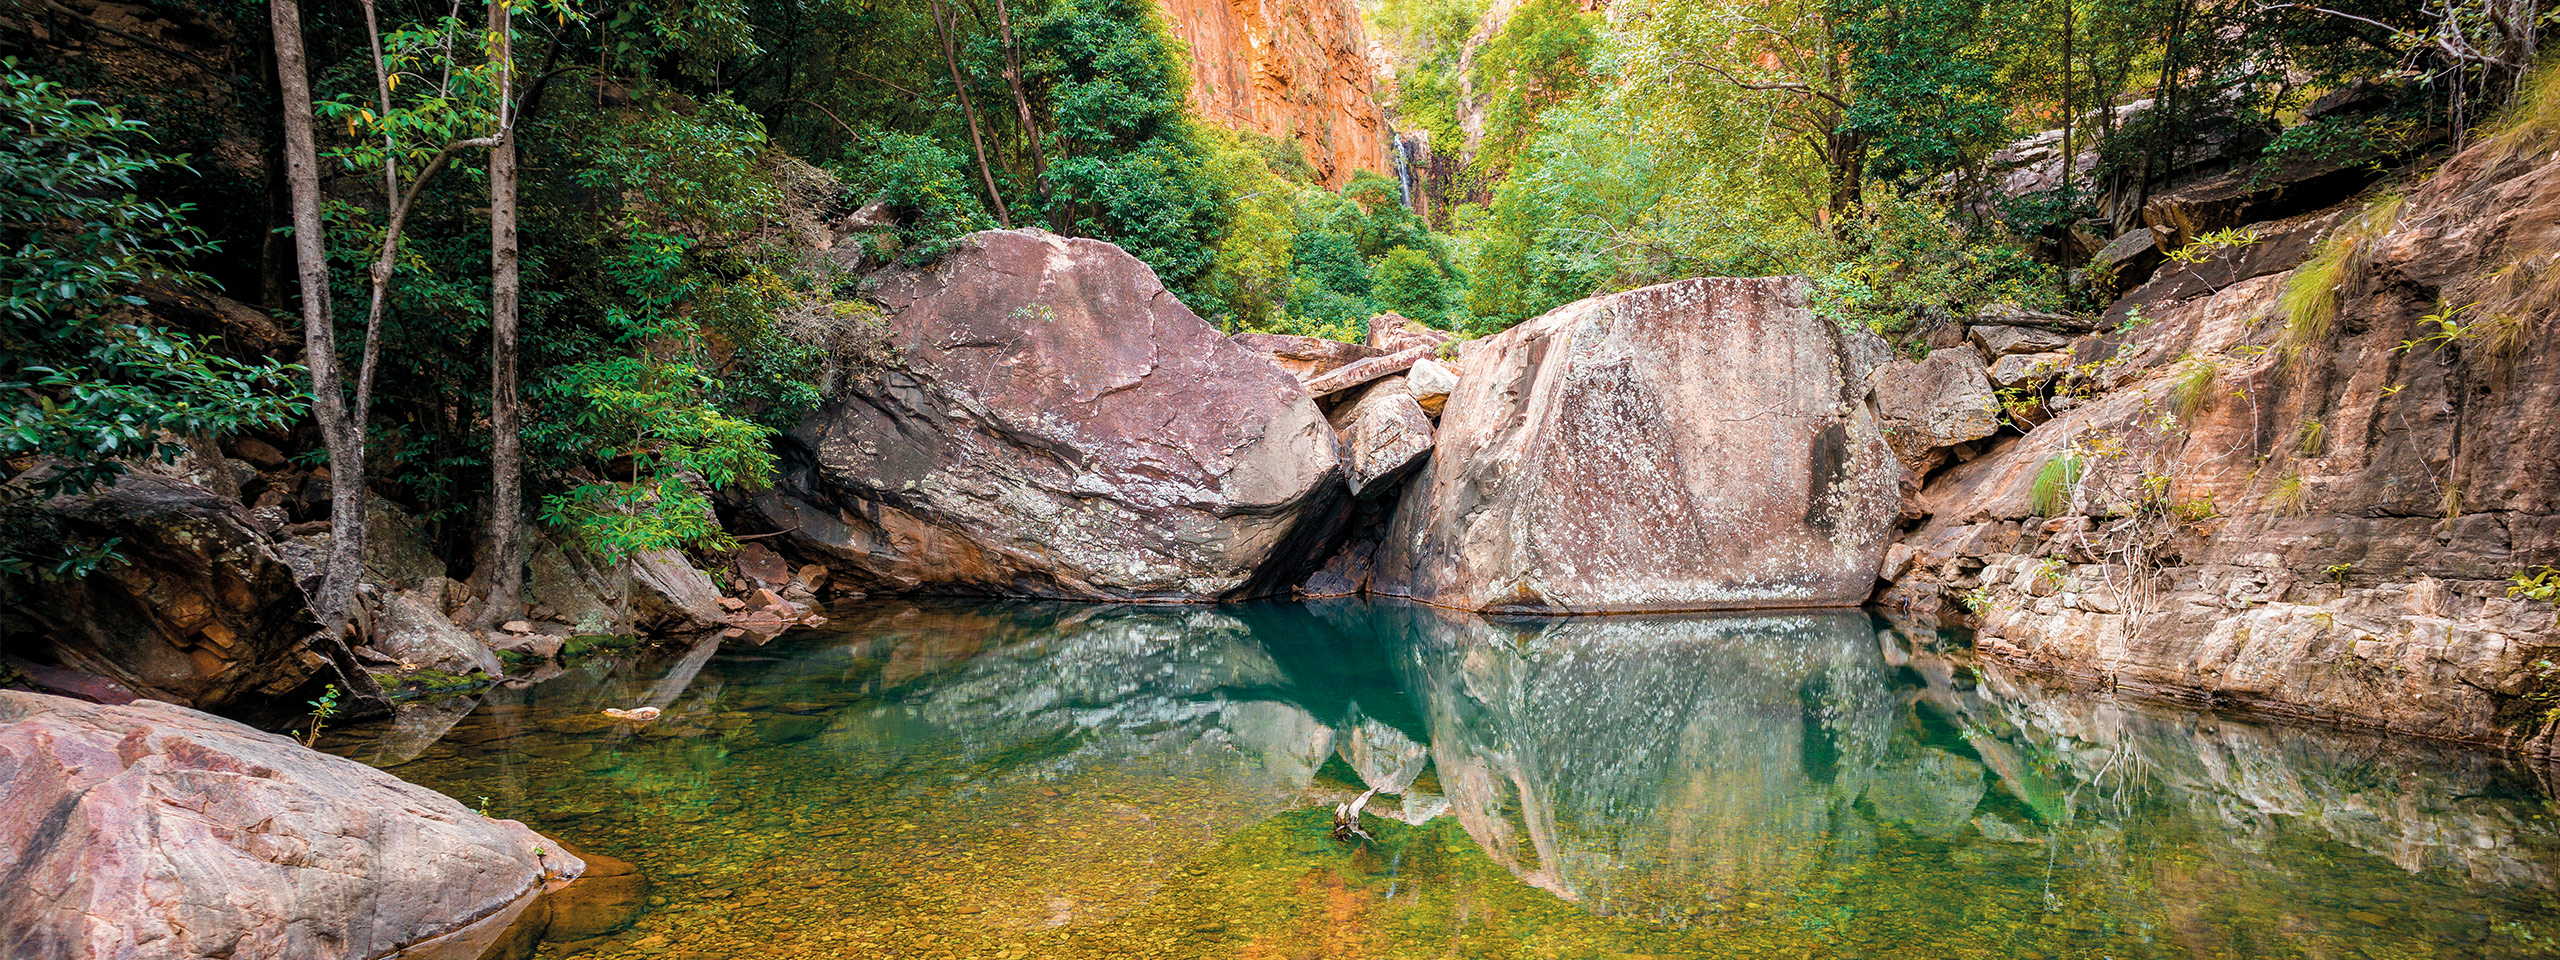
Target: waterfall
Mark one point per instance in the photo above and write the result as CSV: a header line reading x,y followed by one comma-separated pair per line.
x,y
1412,154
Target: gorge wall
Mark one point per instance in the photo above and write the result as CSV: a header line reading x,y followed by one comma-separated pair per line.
x,y
2225,500
1296,70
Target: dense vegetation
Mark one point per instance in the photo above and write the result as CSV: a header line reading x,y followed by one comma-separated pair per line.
x,y
577,249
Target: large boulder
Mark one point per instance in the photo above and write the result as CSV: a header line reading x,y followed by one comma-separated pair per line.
x,y
1935,403
1385,435
1055,423
1690,445
1396,333
150,831
201,608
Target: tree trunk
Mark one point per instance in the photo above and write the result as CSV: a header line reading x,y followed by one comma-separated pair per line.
x,y
1022,104
506,448
977,142
344,440
334,603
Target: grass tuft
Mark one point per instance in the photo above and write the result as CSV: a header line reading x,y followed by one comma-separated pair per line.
x,y
2192,387
2290,496
2054,482
2309,301
2310,438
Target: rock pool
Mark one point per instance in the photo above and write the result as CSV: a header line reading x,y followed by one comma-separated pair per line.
x,y
952,779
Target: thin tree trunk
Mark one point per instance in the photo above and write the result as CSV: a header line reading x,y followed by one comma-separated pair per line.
x,y
1022,102
977,141
344,563
506,448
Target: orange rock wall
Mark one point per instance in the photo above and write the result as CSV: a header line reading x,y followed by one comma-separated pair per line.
x,y
1294,69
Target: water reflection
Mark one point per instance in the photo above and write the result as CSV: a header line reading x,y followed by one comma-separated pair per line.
x,y
1056,780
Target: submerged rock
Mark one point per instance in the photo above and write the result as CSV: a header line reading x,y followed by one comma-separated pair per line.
x,y
151,830
1691,445
1057,424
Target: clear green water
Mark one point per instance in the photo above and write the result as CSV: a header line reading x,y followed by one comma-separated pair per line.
x,y
1031,780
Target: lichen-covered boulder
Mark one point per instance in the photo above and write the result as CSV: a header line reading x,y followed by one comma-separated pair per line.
x,y
1055,423
152,831
1690,445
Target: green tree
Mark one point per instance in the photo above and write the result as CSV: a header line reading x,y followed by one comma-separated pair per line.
x,y
91,385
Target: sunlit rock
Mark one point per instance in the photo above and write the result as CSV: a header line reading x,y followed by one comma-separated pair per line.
x,y
1054,423
1691,445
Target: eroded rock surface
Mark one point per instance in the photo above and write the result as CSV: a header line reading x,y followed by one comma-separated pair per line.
x,y
2328,537
1305,357
1297,70
1691,445
202,610
153,831
1056,424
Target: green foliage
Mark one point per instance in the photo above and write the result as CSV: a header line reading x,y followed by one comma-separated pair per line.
x,y
927,183
2055,482
653,424
1930,94
1912,263
92,386
1409,283
1129,165
321,710
1542,57
2541,583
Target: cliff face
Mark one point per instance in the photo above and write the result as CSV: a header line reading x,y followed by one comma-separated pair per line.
x,y
2325,535
1297,70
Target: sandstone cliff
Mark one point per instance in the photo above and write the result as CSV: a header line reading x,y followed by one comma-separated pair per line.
x,y
2233,506
1297,70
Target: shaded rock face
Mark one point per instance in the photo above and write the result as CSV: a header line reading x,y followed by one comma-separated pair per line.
x,y
150,830
2335,534
1056,424
1297,70
1690,445
203,611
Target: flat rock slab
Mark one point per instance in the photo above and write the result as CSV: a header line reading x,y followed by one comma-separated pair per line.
x,y
1999,341
1365,371
1055,423
1305,357
154,831
1685,446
